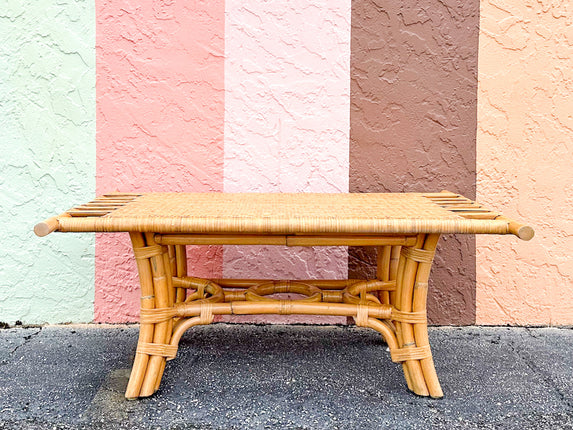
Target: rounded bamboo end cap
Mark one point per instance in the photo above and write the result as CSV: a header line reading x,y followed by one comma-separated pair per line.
x,y
46,227
42,229
525,232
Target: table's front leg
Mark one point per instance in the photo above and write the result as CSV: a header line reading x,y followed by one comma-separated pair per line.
x,y
154,265
410,298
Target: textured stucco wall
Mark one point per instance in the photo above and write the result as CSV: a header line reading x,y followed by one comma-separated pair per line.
x,y
413,121
160,112
525,160
47,78
286,121
311,96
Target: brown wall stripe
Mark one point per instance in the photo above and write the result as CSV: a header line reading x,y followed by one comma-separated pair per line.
x,y
413,124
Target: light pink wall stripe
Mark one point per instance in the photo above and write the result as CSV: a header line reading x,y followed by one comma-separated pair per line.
x,y
160,113
287,92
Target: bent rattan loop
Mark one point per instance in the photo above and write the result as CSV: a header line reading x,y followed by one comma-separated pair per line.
x,y
372,298
258,292
410,353
202,286
359,292
355,300
148,252
371,285
157,349
419,255
189,282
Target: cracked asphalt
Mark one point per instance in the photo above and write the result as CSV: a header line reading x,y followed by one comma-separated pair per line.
x,y
286,377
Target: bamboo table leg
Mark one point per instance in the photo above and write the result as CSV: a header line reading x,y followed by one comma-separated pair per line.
x,y
160,330
411,293
154,266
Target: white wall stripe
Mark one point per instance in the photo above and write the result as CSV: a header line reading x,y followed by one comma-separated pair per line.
x,y
287,95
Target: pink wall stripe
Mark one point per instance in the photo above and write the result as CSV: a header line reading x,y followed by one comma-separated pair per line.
x,y
160,113
287,89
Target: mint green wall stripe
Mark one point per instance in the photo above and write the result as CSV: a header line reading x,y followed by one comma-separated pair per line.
x,y
47,118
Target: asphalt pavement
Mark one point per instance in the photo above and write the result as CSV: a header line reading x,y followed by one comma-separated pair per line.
x,y
285,377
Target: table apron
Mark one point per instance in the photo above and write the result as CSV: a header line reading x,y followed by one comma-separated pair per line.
x,y
285,240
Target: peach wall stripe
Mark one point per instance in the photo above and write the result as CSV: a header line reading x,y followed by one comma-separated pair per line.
x,y
160,113
524,159
287,90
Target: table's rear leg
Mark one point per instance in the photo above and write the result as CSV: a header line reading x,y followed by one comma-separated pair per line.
x,y
153,347
383,260
411,293
388,258
180,270
394,262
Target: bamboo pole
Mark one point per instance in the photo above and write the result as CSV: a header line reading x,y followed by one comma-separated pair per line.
x,y
141,361
220,239
161,335
524,232
386,332
407,330
394,261
284,240
171,264
441,194
349,240
397,304
181,261
283,307
171,302
420,295
48,226
383,269
181,327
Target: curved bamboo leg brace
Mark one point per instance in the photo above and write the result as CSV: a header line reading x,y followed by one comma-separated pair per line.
x,y
411,293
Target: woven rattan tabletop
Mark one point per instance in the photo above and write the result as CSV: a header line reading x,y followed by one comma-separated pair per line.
x,y
283,213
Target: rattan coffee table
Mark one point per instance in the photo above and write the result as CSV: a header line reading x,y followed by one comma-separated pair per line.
x,y
404,227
